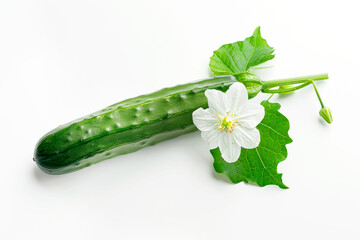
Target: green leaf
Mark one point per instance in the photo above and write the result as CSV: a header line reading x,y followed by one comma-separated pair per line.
x,y
237,57
259,165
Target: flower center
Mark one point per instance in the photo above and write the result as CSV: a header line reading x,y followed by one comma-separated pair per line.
x,y
226,123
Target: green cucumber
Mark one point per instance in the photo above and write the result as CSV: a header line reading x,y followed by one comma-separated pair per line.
x,y
126,126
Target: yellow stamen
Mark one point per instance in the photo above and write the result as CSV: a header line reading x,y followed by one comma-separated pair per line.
x,y
226,123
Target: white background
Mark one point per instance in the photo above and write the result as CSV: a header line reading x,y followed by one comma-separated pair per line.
x,y
60,60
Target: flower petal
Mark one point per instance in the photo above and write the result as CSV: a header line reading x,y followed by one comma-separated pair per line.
x,y
229,148
237,96
250,115
211,138
246,137
217,100
204,120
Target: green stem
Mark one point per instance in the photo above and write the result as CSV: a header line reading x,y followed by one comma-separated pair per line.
x,y
270,97
302,81
289,81
267,90
318,95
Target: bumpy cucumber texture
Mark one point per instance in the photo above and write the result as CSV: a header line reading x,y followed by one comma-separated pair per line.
x,y
125,127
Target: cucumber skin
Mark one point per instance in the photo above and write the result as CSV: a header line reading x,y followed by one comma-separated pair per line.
x,y
125,127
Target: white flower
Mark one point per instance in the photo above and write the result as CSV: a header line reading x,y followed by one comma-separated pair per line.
x,y
230,121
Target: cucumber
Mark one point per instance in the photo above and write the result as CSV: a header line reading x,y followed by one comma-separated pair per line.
x,y
125,127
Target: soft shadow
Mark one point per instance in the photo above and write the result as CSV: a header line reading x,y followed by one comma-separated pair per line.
x,y
205,158
100,170
40,176
284,96
323,122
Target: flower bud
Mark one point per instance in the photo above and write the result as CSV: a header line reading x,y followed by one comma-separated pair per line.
x,y
326,114
252,83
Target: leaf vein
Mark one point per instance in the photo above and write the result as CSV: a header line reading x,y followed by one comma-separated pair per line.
x,y
266,167
274,130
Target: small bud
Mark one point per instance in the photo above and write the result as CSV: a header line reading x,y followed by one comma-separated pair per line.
x,y
326,114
